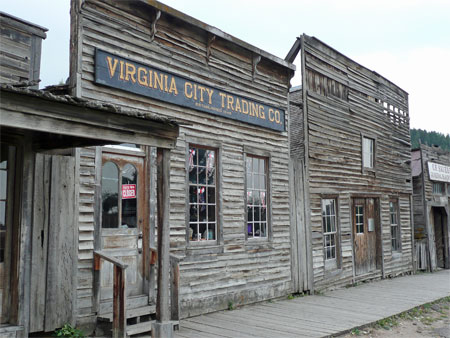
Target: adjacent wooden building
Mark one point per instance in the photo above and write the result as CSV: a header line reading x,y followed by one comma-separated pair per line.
x,y
350,172
431,186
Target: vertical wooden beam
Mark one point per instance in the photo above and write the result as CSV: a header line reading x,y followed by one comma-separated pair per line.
x,y
152,228
119,303
307,204
174,289
26,213
163,327
97,227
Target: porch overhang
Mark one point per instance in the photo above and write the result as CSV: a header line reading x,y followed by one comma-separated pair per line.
x,y
58,122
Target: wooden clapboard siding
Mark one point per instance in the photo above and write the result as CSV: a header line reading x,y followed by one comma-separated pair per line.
x,y
20,50
87,180
235,270
343,102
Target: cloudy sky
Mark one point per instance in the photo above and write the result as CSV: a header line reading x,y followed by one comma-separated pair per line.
x,y
406,41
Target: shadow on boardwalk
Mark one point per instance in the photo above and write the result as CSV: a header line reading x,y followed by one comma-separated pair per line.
x,y
329,314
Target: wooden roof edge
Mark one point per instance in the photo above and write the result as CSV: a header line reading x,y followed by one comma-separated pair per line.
x,y
215,31
377,75
23,24
89,104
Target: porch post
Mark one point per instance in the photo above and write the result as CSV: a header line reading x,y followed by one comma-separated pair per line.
x,y
163,327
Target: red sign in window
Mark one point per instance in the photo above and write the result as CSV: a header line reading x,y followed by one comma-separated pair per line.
x,y
128,191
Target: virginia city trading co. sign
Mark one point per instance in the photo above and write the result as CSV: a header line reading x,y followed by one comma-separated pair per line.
x,y
117,72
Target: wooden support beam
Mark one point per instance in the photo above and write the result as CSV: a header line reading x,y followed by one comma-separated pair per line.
x,y
163,327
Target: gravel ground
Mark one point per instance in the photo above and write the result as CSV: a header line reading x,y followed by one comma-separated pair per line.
x,y
429,320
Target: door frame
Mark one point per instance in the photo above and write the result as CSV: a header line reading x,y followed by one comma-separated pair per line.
x,y
379,254
147,227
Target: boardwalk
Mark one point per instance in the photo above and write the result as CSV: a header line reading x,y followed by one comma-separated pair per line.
x,y
321,315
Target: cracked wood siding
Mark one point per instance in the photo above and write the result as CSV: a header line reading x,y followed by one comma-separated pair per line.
x,y
235,270
345,101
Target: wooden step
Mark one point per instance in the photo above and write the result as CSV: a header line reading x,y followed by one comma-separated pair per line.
x,y
132,313
133,302
139,328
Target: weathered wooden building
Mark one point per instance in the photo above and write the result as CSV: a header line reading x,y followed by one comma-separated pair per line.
x,y
350,172
229,189
43,191
431,187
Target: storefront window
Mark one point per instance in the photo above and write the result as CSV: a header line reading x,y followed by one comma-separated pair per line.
x,y
202,194
256,194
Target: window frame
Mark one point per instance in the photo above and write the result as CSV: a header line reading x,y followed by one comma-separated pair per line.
x,y
216,146
398,225
334,263
266,157
372,169
443,188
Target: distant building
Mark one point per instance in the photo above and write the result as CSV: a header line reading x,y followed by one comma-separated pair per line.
x,y
350,172
431,184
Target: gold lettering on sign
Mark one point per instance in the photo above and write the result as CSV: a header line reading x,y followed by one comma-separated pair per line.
x,y
210,92
186,86
173,87
122,77
223,96
111,67
130,72
159,81
142,79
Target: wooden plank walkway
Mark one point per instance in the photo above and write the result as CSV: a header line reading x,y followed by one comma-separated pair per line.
x,y
321,315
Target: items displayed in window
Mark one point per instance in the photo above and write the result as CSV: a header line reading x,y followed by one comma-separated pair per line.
x,y
202,194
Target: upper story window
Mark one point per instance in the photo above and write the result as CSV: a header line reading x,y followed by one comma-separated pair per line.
x,y
202,164
256,196
368,152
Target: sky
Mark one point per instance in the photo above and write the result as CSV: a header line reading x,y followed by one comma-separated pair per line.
x,y
406,41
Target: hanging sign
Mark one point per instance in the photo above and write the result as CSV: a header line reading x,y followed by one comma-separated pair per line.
x,y
128,191
439,172
117,72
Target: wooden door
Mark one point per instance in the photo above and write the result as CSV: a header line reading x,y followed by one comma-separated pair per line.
x,y
365,228
124,219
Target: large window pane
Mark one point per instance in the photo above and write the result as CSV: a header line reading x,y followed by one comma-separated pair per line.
x,y
110,195
202,194
256,196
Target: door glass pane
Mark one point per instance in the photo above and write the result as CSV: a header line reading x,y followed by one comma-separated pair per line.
x,y
110,195
129,196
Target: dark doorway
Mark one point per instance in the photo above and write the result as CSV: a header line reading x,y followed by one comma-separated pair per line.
x,y
440,237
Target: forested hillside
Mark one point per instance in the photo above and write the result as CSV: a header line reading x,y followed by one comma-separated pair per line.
x,y
429,138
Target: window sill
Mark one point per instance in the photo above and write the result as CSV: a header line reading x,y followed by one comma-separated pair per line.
x,y
258,243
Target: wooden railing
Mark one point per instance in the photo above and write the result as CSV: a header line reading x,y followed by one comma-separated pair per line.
x,y
119,291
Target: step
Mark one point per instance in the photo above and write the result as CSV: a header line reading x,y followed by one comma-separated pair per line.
x,y
132,313
147,327
133,302
139,328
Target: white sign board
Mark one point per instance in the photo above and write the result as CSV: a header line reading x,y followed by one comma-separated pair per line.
x,y
439,172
